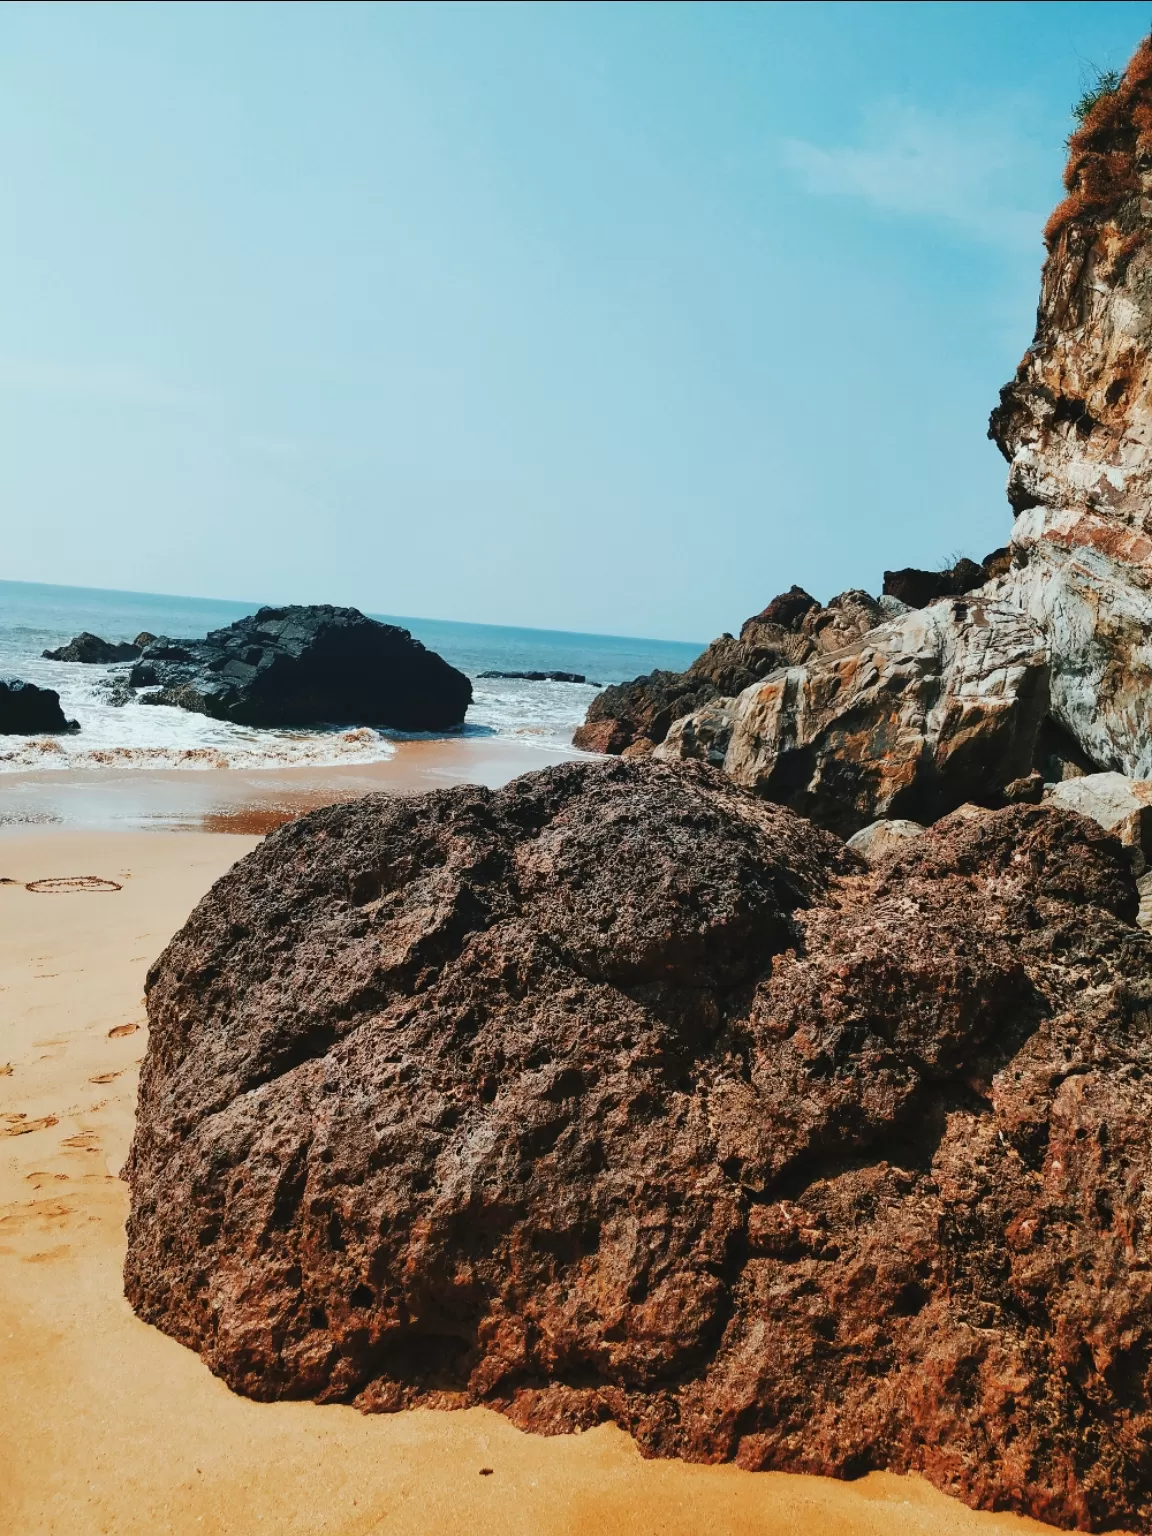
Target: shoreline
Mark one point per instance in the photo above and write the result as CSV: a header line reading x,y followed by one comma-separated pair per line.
x,y
122,1430
255,800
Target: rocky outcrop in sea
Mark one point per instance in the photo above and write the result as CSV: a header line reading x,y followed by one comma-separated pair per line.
x,y
301,666
541,677
93,651
26,710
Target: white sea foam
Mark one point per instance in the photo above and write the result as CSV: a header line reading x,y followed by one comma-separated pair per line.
x,y
140,735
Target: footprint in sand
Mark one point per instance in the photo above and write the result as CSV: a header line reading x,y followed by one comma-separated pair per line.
x,y
107,1077
83,1141
49,1255
20,1125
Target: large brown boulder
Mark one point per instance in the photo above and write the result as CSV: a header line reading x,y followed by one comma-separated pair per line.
x,y
620,1094
790,629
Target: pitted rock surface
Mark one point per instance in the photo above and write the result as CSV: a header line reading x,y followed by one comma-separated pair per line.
x,y
621,1094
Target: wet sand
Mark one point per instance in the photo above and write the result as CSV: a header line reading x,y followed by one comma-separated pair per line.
x,y
109,1426
254,800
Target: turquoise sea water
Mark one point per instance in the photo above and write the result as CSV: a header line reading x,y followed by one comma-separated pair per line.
x,y
34,618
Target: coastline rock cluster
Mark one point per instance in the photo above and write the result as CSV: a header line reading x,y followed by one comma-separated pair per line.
x,y
851,737
636,716
912,720
794,628
623,1094
542,677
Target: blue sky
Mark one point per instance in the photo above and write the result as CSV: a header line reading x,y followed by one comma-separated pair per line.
x,y
606,317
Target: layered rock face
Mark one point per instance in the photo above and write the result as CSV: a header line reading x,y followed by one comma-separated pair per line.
x,y
621,1094
1076,427
792,628
26,710
930,710
307,666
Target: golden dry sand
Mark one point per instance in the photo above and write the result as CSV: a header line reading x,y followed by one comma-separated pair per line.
x,y
108,1426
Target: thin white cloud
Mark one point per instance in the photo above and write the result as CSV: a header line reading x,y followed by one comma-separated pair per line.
x,y
967,173
112,383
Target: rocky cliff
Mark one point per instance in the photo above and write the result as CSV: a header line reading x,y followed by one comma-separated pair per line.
x,y
1076,428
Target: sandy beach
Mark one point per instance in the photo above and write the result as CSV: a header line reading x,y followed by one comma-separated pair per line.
x,y
112,1427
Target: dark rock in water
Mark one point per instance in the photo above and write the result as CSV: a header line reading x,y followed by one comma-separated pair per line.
x,y
26,710
116,693
619,1094
181,696
145,637
307,666
543,677
792,628
90,648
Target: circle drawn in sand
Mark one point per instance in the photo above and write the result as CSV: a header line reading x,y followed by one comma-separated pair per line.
x,y
63,883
